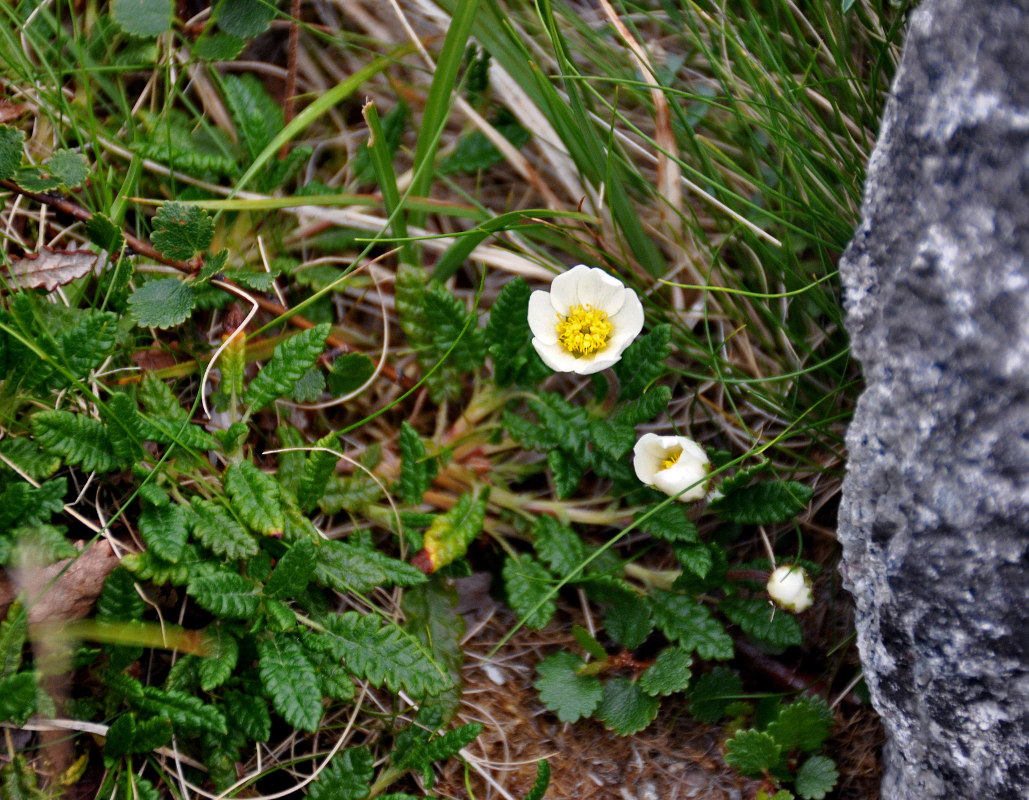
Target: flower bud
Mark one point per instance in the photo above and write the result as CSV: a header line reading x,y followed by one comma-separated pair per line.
x,y
790,588
671,464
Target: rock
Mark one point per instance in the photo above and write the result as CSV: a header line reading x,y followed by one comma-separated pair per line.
x,y
934,520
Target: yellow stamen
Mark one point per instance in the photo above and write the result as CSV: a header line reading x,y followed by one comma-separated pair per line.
x,y
669,462
584,330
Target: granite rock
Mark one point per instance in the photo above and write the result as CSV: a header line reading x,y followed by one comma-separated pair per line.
x,y
934,520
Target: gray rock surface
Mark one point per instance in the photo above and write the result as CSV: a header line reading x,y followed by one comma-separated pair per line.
x,y
935,514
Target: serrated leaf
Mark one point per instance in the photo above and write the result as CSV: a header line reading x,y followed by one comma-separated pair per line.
x,y
625,708
257,116
132,787
431,616
119,600
225,594
185,711
216,668
333,679
529,590
668,522
346,778
26,455
294,570
281,618
10,151
120,734
217,530
385,655
248,713
348,372
18,697
803,724
816,777
643,361
566,425
290,360
180,231
452,326
566,693
669,673
255,497
696,558
145,18
76,438
474,151
763,503
163,303
450,534
40,545
558,546
417,470
628,619
440,747
685,620
348,567
68,167
217,47
762,622
49,268
614,439
290,681
566,471
164,530
509,339
159,400
13,631
244,18
309,388
151,734
539,788
645,407
314,476
752,752
713,692
104,233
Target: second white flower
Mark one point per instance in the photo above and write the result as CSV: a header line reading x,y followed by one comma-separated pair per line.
x,y
672,464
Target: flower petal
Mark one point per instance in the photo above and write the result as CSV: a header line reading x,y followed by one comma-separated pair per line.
x,y
602,292
564,289
555,356
628,321
646,457
542,318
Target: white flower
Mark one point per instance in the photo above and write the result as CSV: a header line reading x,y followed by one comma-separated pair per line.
x,y
671,464
790,588
585,322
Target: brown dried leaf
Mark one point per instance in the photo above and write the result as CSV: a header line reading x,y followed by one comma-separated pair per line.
x,y
52,268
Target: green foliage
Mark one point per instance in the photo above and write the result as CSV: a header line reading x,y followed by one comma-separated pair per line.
x,y
752,752
225,594
119,600
816,777
180,231
669,673
346,778
11,140
294,570
217,530
78,439
163,303
764,503
13,631
668,522
776,629
450,534
255,497
216,669
164,530
474,151
18,780
291,359
685,620
564,690
349,372
351,567
431,616
528,587
508,338
244,18
18,697
643,361
711,695
146,18
558,546
804,724
417,470
290,681
625,707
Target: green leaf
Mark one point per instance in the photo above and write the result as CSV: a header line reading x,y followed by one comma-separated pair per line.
x,y
216,668
669,673
163,303
628,619
119,600
440,747
132,787
159,400
151,734
566,471
668,522
474,151
217,530
683,619
68,167
120,734
565,692
257,116
763,503
417,470
645,407
804,724
816,777
348,776
752,752
763,622
643,361
290,360
696,558
244,18
40,545
18,781
18,697
453,326
431,616
104,233
558,546
309,388
144,18
385,655
164,530
450,534
348,372
26,455
393,125
318,467
613,439
11,140
248,713
180,231
509,339
255,497
294,570
290,681
625,708
76,438
348,567
13,630
185,711
529,590
225,594
713,692
539,788
217,47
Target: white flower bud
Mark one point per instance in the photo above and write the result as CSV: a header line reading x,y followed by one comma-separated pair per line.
x,y
790,588
671,464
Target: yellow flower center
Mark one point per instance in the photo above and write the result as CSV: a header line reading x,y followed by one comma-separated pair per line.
x,y
669,462
584,330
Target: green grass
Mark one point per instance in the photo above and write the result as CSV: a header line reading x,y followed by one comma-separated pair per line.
x,y
717,171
